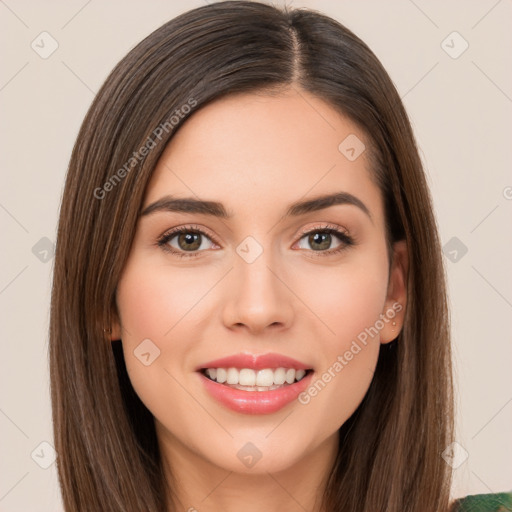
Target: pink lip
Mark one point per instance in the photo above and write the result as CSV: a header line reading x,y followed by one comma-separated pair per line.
x,y
255,362
255,402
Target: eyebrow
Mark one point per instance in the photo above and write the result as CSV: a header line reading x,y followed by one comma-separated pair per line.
x,y
215,209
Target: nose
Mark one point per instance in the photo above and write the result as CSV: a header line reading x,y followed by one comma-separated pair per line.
x,y
257,296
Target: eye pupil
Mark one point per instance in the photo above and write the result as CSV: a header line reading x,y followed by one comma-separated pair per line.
x,y
320,238
191,241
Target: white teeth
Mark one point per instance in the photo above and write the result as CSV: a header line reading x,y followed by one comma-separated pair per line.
x,y
212,373
221,375
255,388
247,377
233,375
257,380
290,376
265,378
280,376
299,374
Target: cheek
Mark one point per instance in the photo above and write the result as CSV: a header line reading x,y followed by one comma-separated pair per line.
x,y
152,301
353,303
157,305
347,298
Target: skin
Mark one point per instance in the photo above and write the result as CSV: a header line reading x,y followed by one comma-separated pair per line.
x,y
257,154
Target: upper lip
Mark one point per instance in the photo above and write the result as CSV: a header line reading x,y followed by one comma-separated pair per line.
x,y
255,362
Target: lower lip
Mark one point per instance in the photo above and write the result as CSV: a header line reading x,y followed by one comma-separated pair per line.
x,y
255,402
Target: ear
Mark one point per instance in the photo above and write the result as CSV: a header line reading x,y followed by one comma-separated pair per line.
x,y
396,299
115,327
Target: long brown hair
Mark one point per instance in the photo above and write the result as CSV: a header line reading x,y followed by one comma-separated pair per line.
x,y
108,458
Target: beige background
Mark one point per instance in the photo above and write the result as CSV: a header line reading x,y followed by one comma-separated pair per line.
x,y
461,112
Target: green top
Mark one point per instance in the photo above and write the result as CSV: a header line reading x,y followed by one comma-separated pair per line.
x,y
498,502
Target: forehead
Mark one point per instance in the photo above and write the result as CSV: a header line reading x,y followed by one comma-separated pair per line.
x,y
256,150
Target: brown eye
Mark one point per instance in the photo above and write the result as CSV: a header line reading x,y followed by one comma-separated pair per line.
x,y
188,241
321,240
185,240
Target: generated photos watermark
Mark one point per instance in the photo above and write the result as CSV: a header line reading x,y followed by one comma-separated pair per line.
x,y
343,360
145,149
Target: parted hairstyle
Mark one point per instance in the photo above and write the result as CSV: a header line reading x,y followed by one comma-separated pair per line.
x,y
108,457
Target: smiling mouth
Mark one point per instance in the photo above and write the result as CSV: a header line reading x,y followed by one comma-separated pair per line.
x,y
247,379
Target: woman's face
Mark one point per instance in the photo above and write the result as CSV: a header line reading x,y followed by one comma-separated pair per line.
x,y
265,278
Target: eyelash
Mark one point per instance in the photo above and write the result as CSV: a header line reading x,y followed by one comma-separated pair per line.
x,y
345,239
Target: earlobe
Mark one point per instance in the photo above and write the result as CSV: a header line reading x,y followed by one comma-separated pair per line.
x,y
396,300
113,331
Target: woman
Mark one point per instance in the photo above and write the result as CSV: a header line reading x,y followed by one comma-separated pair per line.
x,y
249,308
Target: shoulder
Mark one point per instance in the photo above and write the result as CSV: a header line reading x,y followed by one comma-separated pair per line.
x,y
496,502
